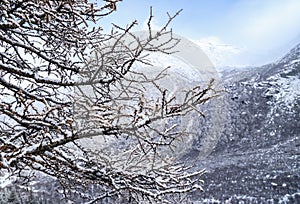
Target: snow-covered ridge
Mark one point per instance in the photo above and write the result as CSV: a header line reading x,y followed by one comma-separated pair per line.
x,y
221,54
284,90
293,56
285,85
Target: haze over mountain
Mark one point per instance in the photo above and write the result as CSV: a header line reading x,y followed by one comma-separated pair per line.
x,y
221,55
227,56
262,31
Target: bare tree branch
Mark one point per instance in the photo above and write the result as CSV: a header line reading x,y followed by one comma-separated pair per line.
x,y
66,86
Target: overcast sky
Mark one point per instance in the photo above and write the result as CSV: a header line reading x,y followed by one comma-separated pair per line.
x,y
258,31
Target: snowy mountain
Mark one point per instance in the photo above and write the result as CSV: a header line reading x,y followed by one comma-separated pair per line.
x,y
257,160
222,55
257,157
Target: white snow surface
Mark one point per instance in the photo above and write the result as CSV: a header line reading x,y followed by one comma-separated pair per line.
x,y
289,90
285,89
5,180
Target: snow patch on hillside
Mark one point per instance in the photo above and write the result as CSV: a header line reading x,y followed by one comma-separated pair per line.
x,y
285,85
5,179
285,90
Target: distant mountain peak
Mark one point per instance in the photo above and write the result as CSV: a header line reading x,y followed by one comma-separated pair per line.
x,y
220,54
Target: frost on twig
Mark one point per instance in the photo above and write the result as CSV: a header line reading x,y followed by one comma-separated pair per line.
x,y
73,108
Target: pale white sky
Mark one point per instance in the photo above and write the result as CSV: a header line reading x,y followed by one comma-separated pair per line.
x,y
260,31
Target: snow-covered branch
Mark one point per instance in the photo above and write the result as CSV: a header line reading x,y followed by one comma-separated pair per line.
x,y
73,107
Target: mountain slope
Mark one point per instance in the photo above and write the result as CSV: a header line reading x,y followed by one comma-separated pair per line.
x,y
257,160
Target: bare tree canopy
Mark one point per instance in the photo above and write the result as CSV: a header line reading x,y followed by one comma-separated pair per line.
x,y
65,83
